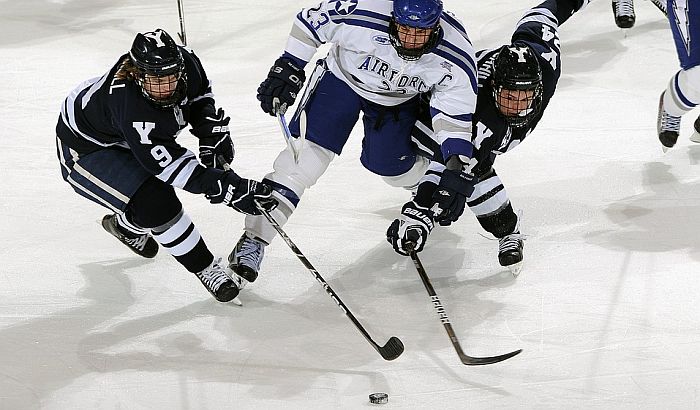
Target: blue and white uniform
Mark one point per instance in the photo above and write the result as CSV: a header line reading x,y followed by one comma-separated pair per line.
x,y
683,92
363,74
363,58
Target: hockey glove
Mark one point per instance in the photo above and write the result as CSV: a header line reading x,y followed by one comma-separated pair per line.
x,y
280,88
215,142
413,227
241,194
451,195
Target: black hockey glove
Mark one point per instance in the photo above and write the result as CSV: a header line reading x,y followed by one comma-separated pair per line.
x,y
413,226
215,142
451,195
241,194
280,88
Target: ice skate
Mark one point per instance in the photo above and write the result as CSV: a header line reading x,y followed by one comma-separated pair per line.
x,y
219,282
667,126
245,259
510,252
624,13
143,244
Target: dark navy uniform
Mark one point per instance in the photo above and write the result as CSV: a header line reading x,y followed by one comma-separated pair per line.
x,y
492,135
107,112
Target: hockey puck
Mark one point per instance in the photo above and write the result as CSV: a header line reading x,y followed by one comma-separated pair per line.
x,y
378,398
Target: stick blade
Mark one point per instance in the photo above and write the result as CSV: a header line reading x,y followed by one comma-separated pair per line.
x,y
479,361
392,349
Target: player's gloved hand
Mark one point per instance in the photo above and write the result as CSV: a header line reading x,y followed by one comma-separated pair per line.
x,y
280,88
215,145
413,226
241,194
451,195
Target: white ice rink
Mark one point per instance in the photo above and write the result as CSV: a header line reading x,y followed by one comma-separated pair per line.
x,y
605,309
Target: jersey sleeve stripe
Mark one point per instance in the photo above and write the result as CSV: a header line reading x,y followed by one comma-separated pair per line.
x,y
300,49
365,13
366,23
456,25
310,29
92,90
179,171
543,16
302,37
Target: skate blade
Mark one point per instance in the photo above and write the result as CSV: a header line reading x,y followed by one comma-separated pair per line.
x,y
237,301
664,149
695,137
515,268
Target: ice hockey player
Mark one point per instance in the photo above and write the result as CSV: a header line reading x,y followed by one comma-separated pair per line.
x,y
683,91
383,55
116,145
516,83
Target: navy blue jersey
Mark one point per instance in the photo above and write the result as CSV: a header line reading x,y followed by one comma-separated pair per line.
x,y
491,134
110,112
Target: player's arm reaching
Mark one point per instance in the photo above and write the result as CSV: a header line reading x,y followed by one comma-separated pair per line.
x,y
312,27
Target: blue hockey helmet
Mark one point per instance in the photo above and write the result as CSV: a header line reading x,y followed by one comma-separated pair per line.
x,y
417,13
161,68
414,28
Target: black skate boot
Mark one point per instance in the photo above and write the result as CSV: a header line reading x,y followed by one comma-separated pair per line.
x,y
218,281
246,257
510,252
667,125
143,244
624,13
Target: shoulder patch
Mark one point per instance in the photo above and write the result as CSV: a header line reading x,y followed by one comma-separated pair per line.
x,y
345,7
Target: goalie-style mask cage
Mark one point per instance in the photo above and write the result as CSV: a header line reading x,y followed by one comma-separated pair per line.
x,y
517,84
414,28
161,75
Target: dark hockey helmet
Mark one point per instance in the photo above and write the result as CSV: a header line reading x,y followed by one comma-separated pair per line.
x,y
517,84
161,68
417,21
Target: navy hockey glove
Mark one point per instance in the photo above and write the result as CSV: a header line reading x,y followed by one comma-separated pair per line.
x,y
451,195
413,227
241,194
280,88
215,142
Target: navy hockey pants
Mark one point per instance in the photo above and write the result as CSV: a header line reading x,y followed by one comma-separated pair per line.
x,y
109,176
332,110
686,30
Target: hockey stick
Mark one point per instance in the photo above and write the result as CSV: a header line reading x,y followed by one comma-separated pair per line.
x,y
181,12
468,360
287,134
391,350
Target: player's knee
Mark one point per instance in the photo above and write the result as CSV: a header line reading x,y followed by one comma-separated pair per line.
x,y
410,178
303,173
154,204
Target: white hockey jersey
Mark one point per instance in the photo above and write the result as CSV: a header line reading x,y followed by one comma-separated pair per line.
x,y
363,57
